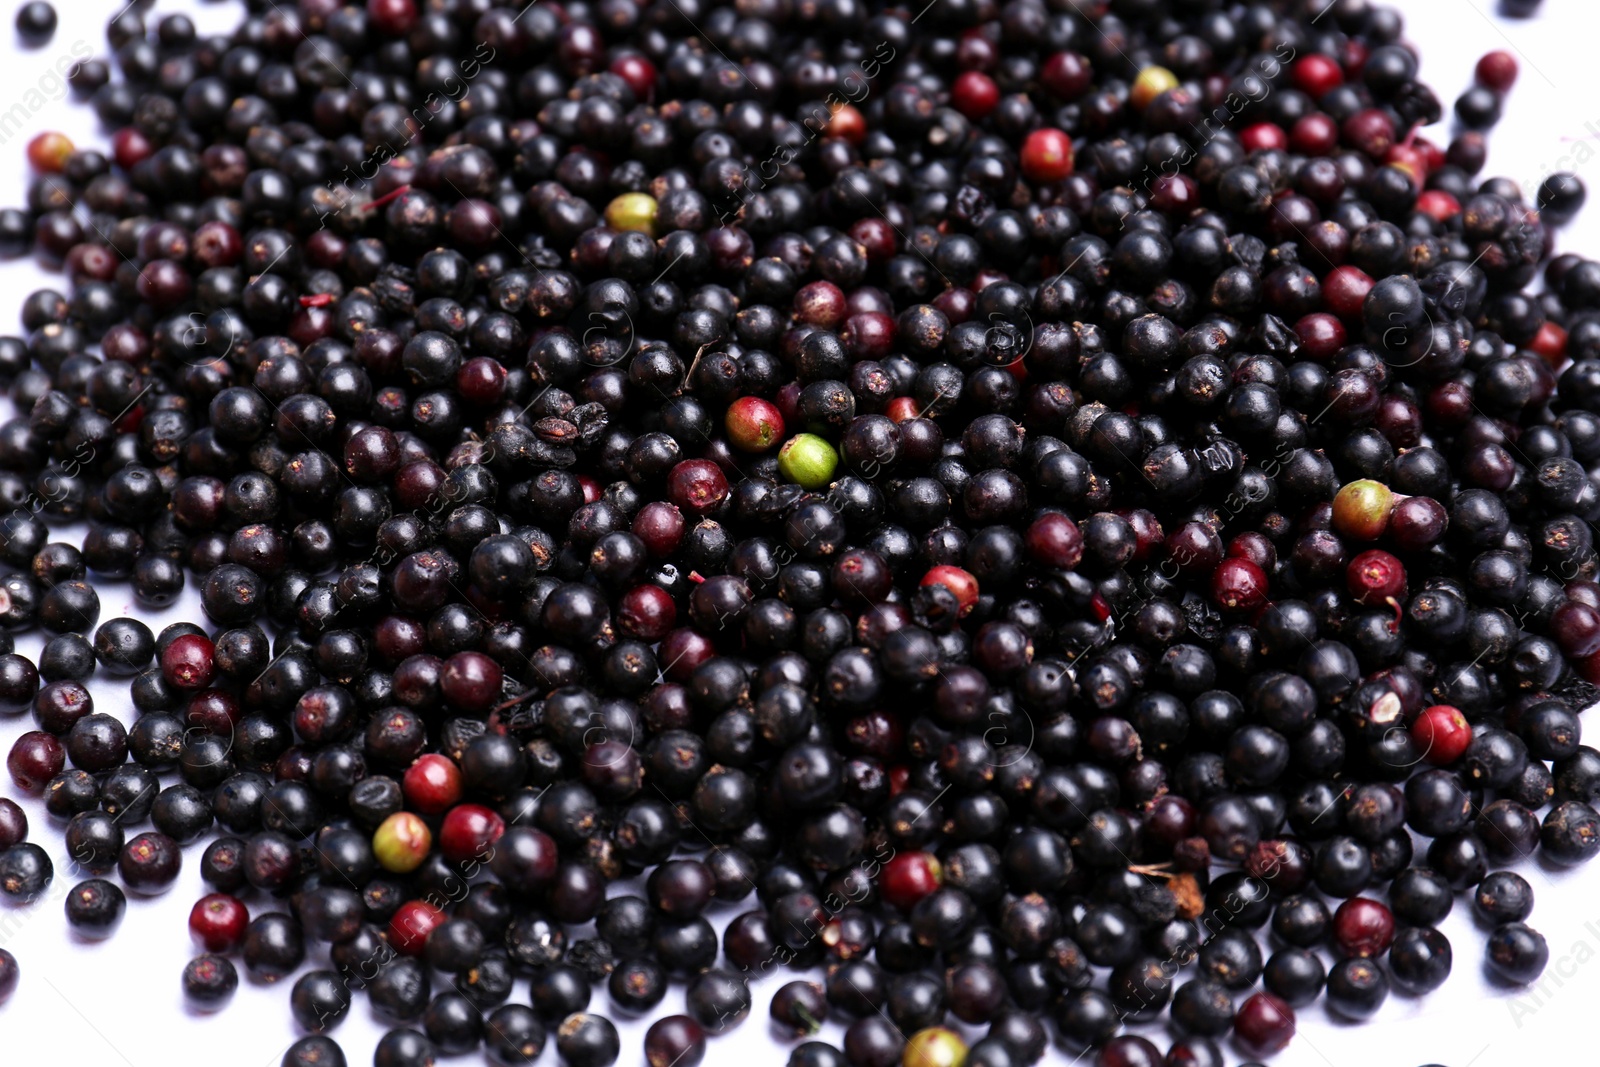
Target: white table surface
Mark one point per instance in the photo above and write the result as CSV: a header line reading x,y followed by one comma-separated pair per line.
x,y
118,1002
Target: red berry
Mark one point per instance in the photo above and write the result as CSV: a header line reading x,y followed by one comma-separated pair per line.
x,y
646,612
1575,626
975,95
1047,155
847,124
217,244
1148,535
213,710
1067,75
1411,159
1417,522
682,651
1054,540
1260,136
1353,57
1438,204
1174,194
1238,585
660,526
1433,157
908,877
432,784
877,237
1370,131
48,152
1345,289
821,304
698,486
753,424
1321,335
1315,134
1550,344
638,72
411,924
469,832
1443,733
1255,547
218,922
868,335
189,662
393,17
1124,1050
1264,1024
958,581
481,380
129,147
36,757
1497,70
1376,577
1315,75
1363,927
901,408
470,681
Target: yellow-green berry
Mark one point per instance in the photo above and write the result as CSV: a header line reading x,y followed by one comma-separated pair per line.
x,y
401,842
632,211
808,461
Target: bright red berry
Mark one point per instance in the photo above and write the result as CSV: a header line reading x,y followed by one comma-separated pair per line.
x,y
1260,136
638,72
958,581
1375,577
432,784
1363,927
908,877
975,95
411,924
1345,289
1443,733
469,832
1316,75
901,408
1438,204
753,424
1047,155
1550,344
218,922
1238,585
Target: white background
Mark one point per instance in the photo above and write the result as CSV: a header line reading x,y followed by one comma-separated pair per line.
x,y
118,1002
